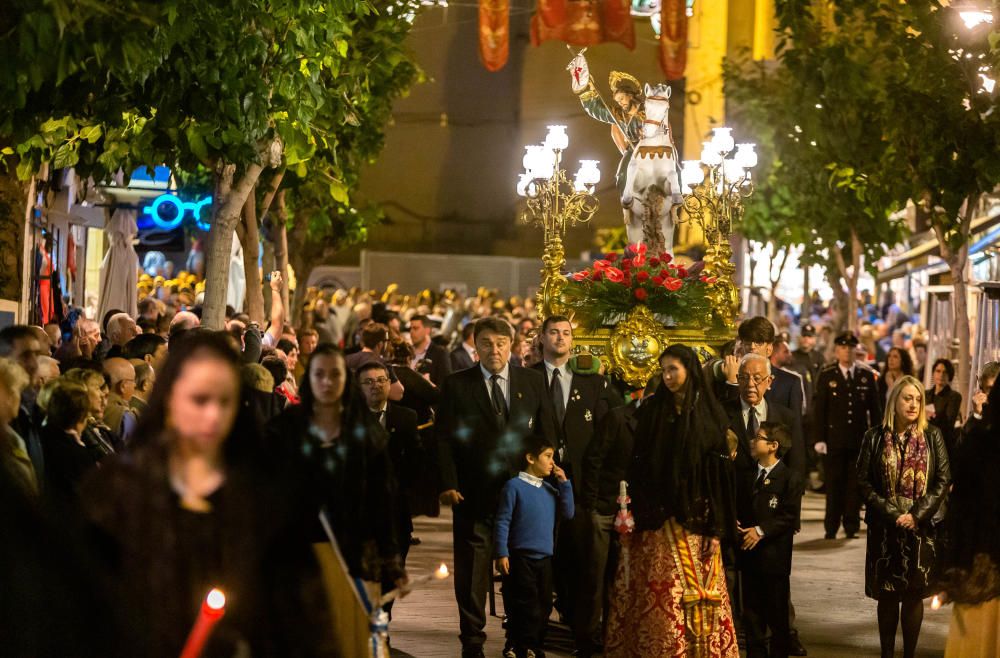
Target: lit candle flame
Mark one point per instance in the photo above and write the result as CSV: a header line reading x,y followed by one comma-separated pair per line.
x,y
935,603
216,599
442,572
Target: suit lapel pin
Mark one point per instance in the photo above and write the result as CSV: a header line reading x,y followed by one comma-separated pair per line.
x,y
833,384
531,422
576,394
767,481
587,416
519,396
773,503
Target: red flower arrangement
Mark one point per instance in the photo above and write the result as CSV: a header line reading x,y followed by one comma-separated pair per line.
x,y
614,284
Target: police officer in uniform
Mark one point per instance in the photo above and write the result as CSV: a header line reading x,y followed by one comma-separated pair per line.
x,y
845,406
807,360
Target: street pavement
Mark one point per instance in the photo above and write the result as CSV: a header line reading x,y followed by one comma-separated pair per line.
x,y
834,617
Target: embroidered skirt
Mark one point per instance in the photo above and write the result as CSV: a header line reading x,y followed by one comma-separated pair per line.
x,y
669,598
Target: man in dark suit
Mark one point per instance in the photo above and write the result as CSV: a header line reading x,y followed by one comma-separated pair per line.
x,y
401,425
464,356
845,406
769,501
484,415
580,402
428,356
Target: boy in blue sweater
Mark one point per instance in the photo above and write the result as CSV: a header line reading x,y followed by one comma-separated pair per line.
x,y
524,536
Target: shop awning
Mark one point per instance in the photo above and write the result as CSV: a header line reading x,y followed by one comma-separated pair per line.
x,y
984,234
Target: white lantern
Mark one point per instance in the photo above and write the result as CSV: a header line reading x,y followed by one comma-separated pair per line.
x,y
523,181
692,174
746,156
722,139
709,155
544,164
732,170
588,172
557,139
530,156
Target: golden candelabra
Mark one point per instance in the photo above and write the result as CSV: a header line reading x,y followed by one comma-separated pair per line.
x,y
554,203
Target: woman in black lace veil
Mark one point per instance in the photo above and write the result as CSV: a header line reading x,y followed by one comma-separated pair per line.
x,y
972,553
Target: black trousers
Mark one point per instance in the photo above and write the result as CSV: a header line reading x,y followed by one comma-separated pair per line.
x,y
843,497
404,531
569,563
598,570
527,599
473,548
765,606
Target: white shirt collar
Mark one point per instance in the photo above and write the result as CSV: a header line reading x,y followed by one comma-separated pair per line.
x,y
531,479
504,374
767,469
563,370
846,372
761,408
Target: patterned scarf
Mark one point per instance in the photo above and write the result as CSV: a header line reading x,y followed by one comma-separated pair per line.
x,y
905,466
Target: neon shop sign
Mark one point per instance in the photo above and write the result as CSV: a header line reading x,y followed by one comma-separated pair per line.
x,y
168,211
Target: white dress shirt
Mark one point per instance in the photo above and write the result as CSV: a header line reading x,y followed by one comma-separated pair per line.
x,y
530,479
761,408
504,382
767,471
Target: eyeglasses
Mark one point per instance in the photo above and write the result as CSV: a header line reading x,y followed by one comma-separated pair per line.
x,y
378,381
756,379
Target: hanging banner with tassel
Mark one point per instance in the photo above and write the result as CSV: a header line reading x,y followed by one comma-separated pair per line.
x,y
587,23
494,33
552,12
673,38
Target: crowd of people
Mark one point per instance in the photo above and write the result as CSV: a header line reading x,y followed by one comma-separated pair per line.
x,y
156,459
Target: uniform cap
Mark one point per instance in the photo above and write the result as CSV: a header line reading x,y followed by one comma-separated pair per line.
x,y
808,330
846,338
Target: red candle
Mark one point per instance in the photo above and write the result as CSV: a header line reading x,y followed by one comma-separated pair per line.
x,y
213,608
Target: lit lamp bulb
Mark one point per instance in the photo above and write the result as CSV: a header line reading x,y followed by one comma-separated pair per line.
x,y
557,139
746,156
528,160
709,155
522,184
692,174
732,169
587,176
545,163
722,139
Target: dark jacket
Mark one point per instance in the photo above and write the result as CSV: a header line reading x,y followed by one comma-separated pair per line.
x,y
775,508
418,394
437,363
843,411
404,452
947,410
460,359
66,463
477,451
878,509
590,398
794,458
787,390
606,460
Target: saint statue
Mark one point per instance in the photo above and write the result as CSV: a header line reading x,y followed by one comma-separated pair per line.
x,y
648,172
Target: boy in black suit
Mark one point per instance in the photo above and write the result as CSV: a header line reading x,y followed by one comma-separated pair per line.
x,y
769,500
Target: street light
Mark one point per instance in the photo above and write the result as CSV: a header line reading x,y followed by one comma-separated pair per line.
x,y
554,202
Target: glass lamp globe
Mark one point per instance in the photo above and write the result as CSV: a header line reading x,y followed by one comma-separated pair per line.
x,y
530,156
746,156
722,139
545,163
557,139
588,173
732,169
523,181
709,155
692,174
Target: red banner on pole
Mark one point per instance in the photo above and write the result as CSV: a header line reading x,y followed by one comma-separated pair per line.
x,y
494,33
588,22
673,38
553,12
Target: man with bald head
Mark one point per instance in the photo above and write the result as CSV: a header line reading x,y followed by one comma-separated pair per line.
x,y
183,321
121,329
118,415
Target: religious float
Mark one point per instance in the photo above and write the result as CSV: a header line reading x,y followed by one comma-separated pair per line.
x,y
628,307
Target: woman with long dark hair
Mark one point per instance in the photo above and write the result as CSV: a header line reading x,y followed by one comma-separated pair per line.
x,y
944,404
336,449
898,364
971,564
903,475
193,506
682,500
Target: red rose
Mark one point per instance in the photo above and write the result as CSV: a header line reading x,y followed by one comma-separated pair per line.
x,y
639,260
601,264
596,275
614,275
612,257
682,272
642,276
641,294
581,275
665,258
654,262
672,284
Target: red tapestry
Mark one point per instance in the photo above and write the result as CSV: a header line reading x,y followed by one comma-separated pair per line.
x,y
588,22
553,12
673,38
494,33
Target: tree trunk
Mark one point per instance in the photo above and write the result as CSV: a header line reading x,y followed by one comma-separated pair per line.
x,y
281,249
958,260
300,262
851,279
772,302
230,195
251,250
267,266
839,302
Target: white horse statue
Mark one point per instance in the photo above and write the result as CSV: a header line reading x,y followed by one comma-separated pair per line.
x,y
652,184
